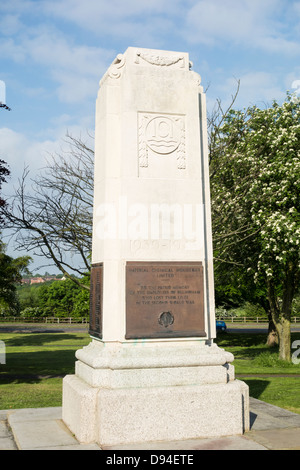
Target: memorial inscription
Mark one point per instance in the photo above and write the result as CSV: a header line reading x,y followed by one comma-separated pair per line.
x,y
164,299
95,328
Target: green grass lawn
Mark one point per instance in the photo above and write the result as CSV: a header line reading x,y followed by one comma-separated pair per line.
x,y
252,356
37,362
35,366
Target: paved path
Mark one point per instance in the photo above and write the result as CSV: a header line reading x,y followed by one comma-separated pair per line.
x,y
272,428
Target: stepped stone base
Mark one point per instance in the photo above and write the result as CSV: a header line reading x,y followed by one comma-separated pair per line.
x,y
153,391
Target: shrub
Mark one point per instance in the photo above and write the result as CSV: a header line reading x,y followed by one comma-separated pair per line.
x,y
29,312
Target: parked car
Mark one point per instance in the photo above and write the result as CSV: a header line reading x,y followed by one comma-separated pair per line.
x,y
221,325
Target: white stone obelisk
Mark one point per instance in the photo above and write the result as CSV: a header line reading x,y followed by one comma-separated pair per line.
x,y
152,371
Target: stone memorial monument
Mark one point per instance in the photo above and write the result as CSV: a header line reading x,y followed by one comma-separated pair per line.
x,y
152,371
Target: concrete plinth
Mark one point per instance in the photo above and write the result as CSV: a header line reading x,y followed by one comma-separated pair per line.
x,y
126,393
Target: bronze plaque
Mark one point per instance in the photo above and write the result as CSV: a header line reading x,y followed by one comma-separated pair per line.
x,y
164,300
96,286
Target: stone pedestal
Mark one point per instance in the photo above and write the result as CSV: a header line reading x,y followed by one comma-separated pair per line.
x,y
142,392
152,371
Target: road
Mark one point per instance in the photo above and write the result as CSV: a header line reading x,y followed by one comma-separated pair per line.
x,y
253,328
61,328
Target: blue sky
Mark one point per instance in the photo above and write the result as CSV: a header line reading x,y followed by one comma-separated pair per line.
x,y
54,52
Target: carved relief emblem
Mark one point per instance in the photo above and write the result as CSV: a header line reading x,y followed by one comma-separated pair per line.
x,y
163,135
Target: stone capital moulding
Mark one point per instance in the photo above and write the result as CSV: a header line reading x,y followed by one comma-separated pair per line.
x,y
160,60
150,59
115,70
165,61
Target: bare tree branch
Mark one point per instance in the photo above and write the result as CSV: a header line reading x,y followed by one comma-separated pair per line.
x,y
52,216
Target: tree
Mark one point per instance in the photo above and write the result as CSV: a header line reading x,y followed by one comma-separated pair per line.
x,y
256,199
28,296
64,298
53,217
229,290
11,270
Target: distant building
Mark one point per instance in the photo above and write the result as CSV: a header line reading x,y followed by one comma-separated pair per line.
x,y
41,280
37,280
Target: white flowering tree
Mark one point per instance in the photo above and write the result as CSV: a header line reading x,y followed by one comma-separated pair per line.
x,y
256,205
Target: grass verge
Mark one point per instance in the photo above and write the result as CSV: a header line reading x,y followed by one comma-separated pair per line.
x,y
36,362
269,379
35,365
37,393
279,391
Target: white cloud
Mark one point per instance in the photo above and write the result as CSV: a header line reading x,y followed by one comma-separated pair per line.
x,y
17,7
296,8
279,45
251,23
102,16
53,49
9,24
19,151
292,80
209,21
9,49
141,23
76,69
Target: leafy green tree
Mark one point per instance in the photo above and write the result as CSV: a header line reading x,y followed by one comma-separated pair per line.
x,y
28,296
256,205
64,299
11,270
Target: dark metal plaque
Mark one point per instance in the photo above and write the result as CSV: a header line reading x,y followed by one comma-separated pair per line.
x,y
96,286
164,300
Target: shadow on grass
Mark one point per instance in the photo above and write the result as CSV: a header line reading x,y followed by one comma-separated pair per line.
x,y
32,367
256,386
39,339
253,346
243,340
246,339
245,346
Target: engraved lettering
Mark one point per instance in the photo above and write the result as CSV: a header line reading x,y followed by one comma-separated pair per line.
x,y
95,328
177,287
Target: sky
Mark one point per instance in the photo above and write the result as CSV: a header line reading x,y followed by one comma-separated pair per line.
x,y
54,52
